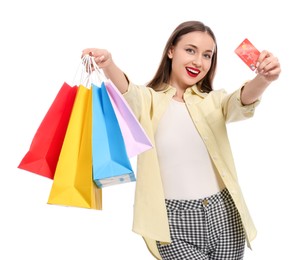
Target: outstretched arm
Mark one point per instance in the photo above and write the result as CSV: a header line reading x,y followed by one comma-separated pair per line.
x,y
105,62
268,70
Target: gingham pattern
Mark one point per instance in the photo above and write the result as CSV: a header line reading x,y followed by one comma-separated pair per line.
x,y
209,229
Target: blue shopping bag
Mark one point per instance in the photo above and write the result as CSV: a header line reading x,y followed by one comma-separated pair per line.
x,y
110,162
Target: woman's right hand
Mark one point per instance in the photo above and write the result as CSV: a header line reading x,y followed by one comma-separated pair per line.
x,y
104,61
102,57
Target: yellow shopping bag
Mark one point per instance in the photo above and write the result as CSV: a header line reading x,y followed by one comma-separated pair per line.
x,y
73,184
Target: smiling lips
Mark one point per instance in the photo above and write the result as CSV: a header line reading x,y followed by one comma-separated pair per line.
x,y
192,72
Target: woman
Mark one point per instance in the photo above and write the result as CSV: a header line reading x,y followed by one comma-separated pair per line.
x,y
188,202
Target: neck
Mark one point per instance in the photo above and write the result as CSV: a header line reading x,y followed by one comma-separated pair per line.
x,y
179,96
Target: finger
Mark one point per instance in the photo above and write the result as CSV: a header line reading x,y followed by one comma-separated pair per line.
x,y
265,58
272,75
269,64
271,72
85,51
263,55
88,51
99,59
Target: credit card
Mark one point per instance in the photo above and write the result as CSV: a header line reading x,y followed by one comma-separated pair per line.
x,y
248,53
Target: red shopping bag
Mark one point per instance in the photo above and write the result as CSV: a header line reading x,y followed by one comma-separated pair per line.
x,y
44,151
73,184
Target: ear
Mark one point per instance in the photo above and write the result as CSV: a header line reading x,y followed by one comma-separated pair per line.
x,y
170,52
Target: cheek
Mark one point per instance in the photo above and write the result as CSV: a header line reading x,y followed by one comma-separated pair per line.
x,y
206,68
207,65
178,63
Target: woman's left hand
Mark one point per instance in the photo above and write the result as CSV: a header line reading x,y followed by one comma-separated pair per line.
x,y
268,66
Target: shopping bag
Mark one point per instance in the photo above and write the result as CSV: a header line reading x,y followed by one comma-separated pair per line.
x,y
135,137
111,163
45,147
73,184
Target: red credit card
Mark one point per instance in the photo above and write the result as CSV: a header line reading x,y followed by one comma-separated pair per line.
x,y
248,53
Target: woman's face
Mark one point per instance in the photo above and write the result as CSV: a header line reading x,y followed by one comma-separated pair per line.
x,y
191,59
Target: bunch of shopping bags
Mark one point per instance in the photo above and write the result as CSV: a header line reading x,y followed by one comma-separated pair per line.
x,y
85,140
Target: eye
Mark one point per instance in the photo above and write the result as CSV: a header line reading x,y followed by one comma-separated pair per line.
x,y
190,51
207,56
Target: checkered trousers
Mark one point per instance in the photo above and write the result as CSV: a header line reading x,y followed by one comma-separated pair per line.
x,y
206,229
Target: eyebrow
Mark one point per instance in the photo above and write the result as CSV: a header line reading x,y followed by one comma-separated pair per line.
x,y
192,45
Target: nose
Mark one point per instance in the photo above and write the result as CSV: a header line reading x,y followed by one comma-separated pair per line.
x,y
198,62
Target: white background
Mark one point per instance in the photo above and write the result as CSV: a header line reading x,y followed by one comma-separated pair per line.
x,y
41,44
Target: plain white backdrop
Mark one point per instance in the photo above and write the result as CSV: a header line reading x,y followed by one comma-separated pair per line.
x,y
41,44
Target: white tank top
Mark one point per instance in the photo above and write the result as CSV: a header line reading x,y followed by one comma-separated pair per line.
x,y
186,168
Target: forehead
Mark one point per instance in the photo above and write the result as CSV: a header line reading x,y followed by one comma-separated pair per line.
x,y
201,40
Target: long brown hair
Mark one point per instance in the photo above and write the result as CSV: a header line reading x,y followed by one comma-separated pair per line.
x,y
164,70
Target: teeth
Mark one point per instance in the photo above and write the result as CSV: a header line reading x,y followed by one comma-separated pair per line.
x,y
192,71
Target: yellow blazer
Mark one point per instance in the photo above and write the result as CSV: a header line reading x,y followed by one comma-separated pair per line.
x,y
210,112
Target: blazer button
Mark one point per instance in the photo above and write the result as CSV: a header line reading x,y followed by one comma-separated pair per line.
x,y
205,202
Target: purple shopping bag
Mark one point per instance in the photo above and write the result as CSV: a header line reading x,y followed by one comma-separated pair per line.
x,y
135,137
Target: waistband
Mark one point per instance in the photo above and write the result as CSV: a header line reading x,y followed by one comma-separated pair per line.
x,y
219,197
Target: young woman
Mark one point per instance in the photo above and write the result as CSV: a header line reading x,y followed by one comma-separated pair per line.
x,y
188,202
